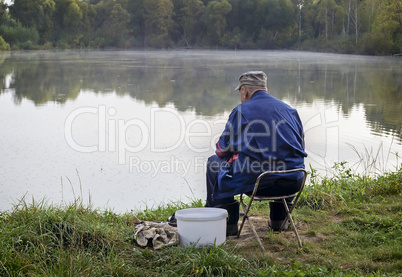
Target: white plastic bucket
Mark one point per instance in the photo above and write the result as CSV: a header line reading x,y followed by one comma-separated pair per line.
x,y
203,226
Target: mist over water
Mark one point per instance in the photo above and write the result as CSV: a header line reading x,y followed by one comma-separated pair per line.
x,y
130,129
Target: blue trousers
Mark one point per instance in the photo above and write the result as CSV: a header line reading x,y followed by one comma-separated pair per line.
x,y
214,165
271,188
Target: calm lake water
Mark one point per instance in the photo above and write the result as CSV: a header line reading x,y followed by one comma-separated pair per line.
x,y
131,129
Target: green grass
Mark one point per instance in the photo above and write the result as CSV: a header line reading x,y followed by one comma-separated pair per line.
x,y
350,226
346,187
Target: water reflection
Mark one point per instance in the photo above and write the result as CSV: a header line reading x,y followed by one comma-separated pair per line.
x,y
203,81
348,104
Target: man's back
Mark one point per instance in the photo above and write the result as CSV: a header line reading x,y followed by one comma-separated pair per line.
x,y
267,129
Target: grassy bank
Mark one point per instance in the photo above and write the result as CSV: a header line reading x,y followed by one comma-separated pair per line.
x,y
350,225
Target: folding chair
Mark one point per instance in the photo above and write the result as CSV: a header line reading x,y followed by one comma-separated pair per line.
x,y
296,195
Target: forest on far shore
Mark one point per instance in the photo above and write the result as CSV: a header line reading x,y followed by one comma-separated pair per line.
x,y
369,27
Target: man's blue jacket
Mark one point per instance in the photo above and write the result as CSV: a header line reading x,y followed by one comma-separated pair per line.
x,y
262,133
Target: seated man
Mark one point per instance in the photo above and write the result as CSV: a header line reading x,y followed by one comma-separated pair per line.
x,y
262,133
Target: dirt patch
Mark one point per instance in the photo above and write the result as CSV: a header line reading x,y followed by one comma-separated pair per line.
x,y
247,238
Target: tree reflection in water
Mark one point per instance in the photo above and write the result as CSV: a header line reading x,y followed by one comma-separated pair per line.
x,y
344,101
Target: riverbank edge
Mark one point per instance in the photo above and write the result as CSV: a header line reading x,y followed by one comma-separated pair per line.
x,y
111,49
350,225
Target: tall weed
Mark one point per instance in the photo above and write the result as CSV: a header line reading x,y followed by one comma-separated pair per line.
x,y
345,186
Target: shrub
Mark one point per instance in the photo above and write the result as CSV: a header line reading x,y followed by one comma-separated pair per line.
x,y
375,44
4,45
20,36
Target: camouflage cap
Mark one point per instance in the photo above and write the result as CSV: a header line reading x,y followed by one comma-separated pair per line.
x,y
252,78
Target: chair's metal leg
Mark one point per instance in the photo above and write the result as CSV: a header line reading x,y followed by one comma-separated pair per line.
x,y
285,204
255,234
289,217
241,226
246,209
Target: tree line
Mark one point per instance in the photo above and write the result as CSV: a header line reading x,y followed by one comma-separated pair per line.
x,y
344,26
